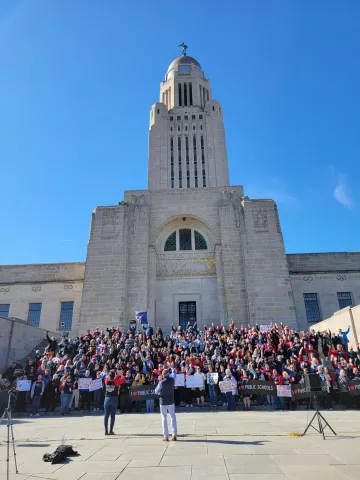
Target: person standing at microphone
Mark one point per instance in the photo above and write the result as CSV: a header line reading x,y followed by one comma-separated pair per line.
x,y
165,390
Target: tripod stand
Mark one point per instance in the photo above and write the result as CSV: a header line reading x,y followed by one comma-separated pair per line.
x,y
7,415
322,423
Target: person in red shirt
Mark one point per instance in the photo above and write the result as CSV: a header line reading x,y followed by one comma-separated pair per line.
x,y
112,384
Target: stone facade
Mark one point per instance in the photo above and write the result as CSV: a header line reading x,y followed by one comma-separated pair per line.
x,y
190,239
48,284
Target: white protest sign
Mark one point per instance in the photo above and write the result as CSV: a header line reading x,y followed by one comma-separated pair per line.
x,y
95,385
179,380
23,385
225,386
283,390
194,381
265,328
84,383
212,378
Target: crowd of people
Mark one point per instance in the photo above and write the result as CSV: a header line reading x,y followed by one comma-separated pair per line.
x,y
277,354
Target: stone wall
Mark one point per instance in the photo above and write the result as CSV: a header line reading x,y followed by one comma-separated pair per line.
x,y
325,274
269,290
48,284
17,339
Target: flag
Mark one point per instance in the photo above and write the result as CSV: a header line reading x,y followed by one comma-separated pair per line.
x,y
141,317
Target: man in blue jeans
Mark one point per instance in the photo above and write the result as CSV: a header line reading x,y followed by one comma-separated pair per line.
x,y
66,389
36,393
112,384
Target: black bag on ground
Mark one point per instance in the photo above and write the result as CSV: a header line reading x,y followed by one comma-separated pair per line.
x,y
60,454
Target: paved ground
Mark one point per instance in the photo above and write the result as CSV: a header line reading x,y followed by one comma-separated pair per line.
x,y
218,446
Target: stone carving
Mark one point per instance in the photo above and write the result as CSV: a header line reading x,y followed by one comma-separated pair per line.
x,y
36,288
260,218
341,278
68,287
5,290
185,267
308,278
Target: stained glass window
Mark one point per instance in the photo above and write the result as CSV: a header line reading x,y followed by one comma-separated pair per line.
x,y
170,245
200,242
185,239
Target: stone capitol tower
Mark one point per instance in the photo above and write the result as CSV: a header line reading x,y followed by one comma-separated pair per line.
x,y
191,247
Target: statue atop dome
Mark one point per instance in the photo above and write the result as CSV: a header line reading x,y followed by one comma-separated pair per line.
x,y
184,48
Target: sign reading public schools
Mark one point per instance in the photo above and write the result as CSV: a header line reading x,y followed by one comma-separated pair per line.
x,y
145,392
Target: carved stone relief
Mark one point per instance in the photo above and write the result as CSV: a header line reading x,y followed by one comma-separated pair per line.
x,y
185,267
260,219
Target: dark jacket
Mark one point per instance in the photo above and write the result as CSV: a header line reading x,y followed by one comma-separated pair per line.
x,y
165,390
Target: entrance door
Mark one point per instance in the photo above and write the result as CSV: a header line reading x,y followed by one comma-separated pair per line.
x,y
187,314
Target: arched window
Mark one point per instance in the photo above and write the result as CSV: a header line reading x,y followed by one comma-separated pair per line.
x,y
170,244
185,239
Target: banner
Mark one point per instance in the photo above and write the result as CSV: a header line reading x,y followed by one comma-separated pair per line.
x,y
283,391
354,387
141,317
212,378
300,391
146,392
84,383
260,387
225,386
264,328
179,380
95,385
23,385
194,381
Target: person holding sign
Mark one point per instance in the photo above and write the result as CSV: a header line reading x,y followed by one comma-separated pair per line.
x,y
165,390
66,389
212,379
112,384
230,396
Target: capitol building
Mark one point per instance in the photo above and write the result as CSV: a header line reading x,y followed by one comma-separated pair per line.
x,y
191,247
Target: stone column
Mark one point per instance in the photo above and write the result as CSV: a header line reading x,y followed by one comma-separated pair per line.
x,y
220,283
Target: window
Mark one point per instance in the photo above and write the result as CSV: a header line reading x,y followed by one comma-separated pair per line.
x,y
66,314
185,68
185,95
170,244
195,161
178,118
193,117
171,119
213,109
4,310
185,239
203,160
190,93
345,299
312,307
194,128
200,117
180,102
179,161
200,242
158,111
187,162
186,117
34,314
172,160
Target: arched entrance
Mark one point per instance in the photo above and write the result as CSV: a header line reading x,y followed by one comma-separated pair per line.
x,y
186,281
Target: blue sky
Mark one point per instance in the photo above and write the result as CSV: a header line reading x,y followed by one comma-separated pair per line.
x,y
78,78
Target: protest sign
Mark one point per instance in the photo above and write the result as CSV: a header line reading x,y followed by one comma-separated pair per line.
x,y
179,380
225,386
260,387
84,383
354,387
146,392
283,391
212,378
23,385
95,385
194,381
264,328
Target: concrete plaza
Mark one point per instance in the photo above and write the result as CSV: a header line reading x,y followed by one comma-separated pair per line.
x,y
219,446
